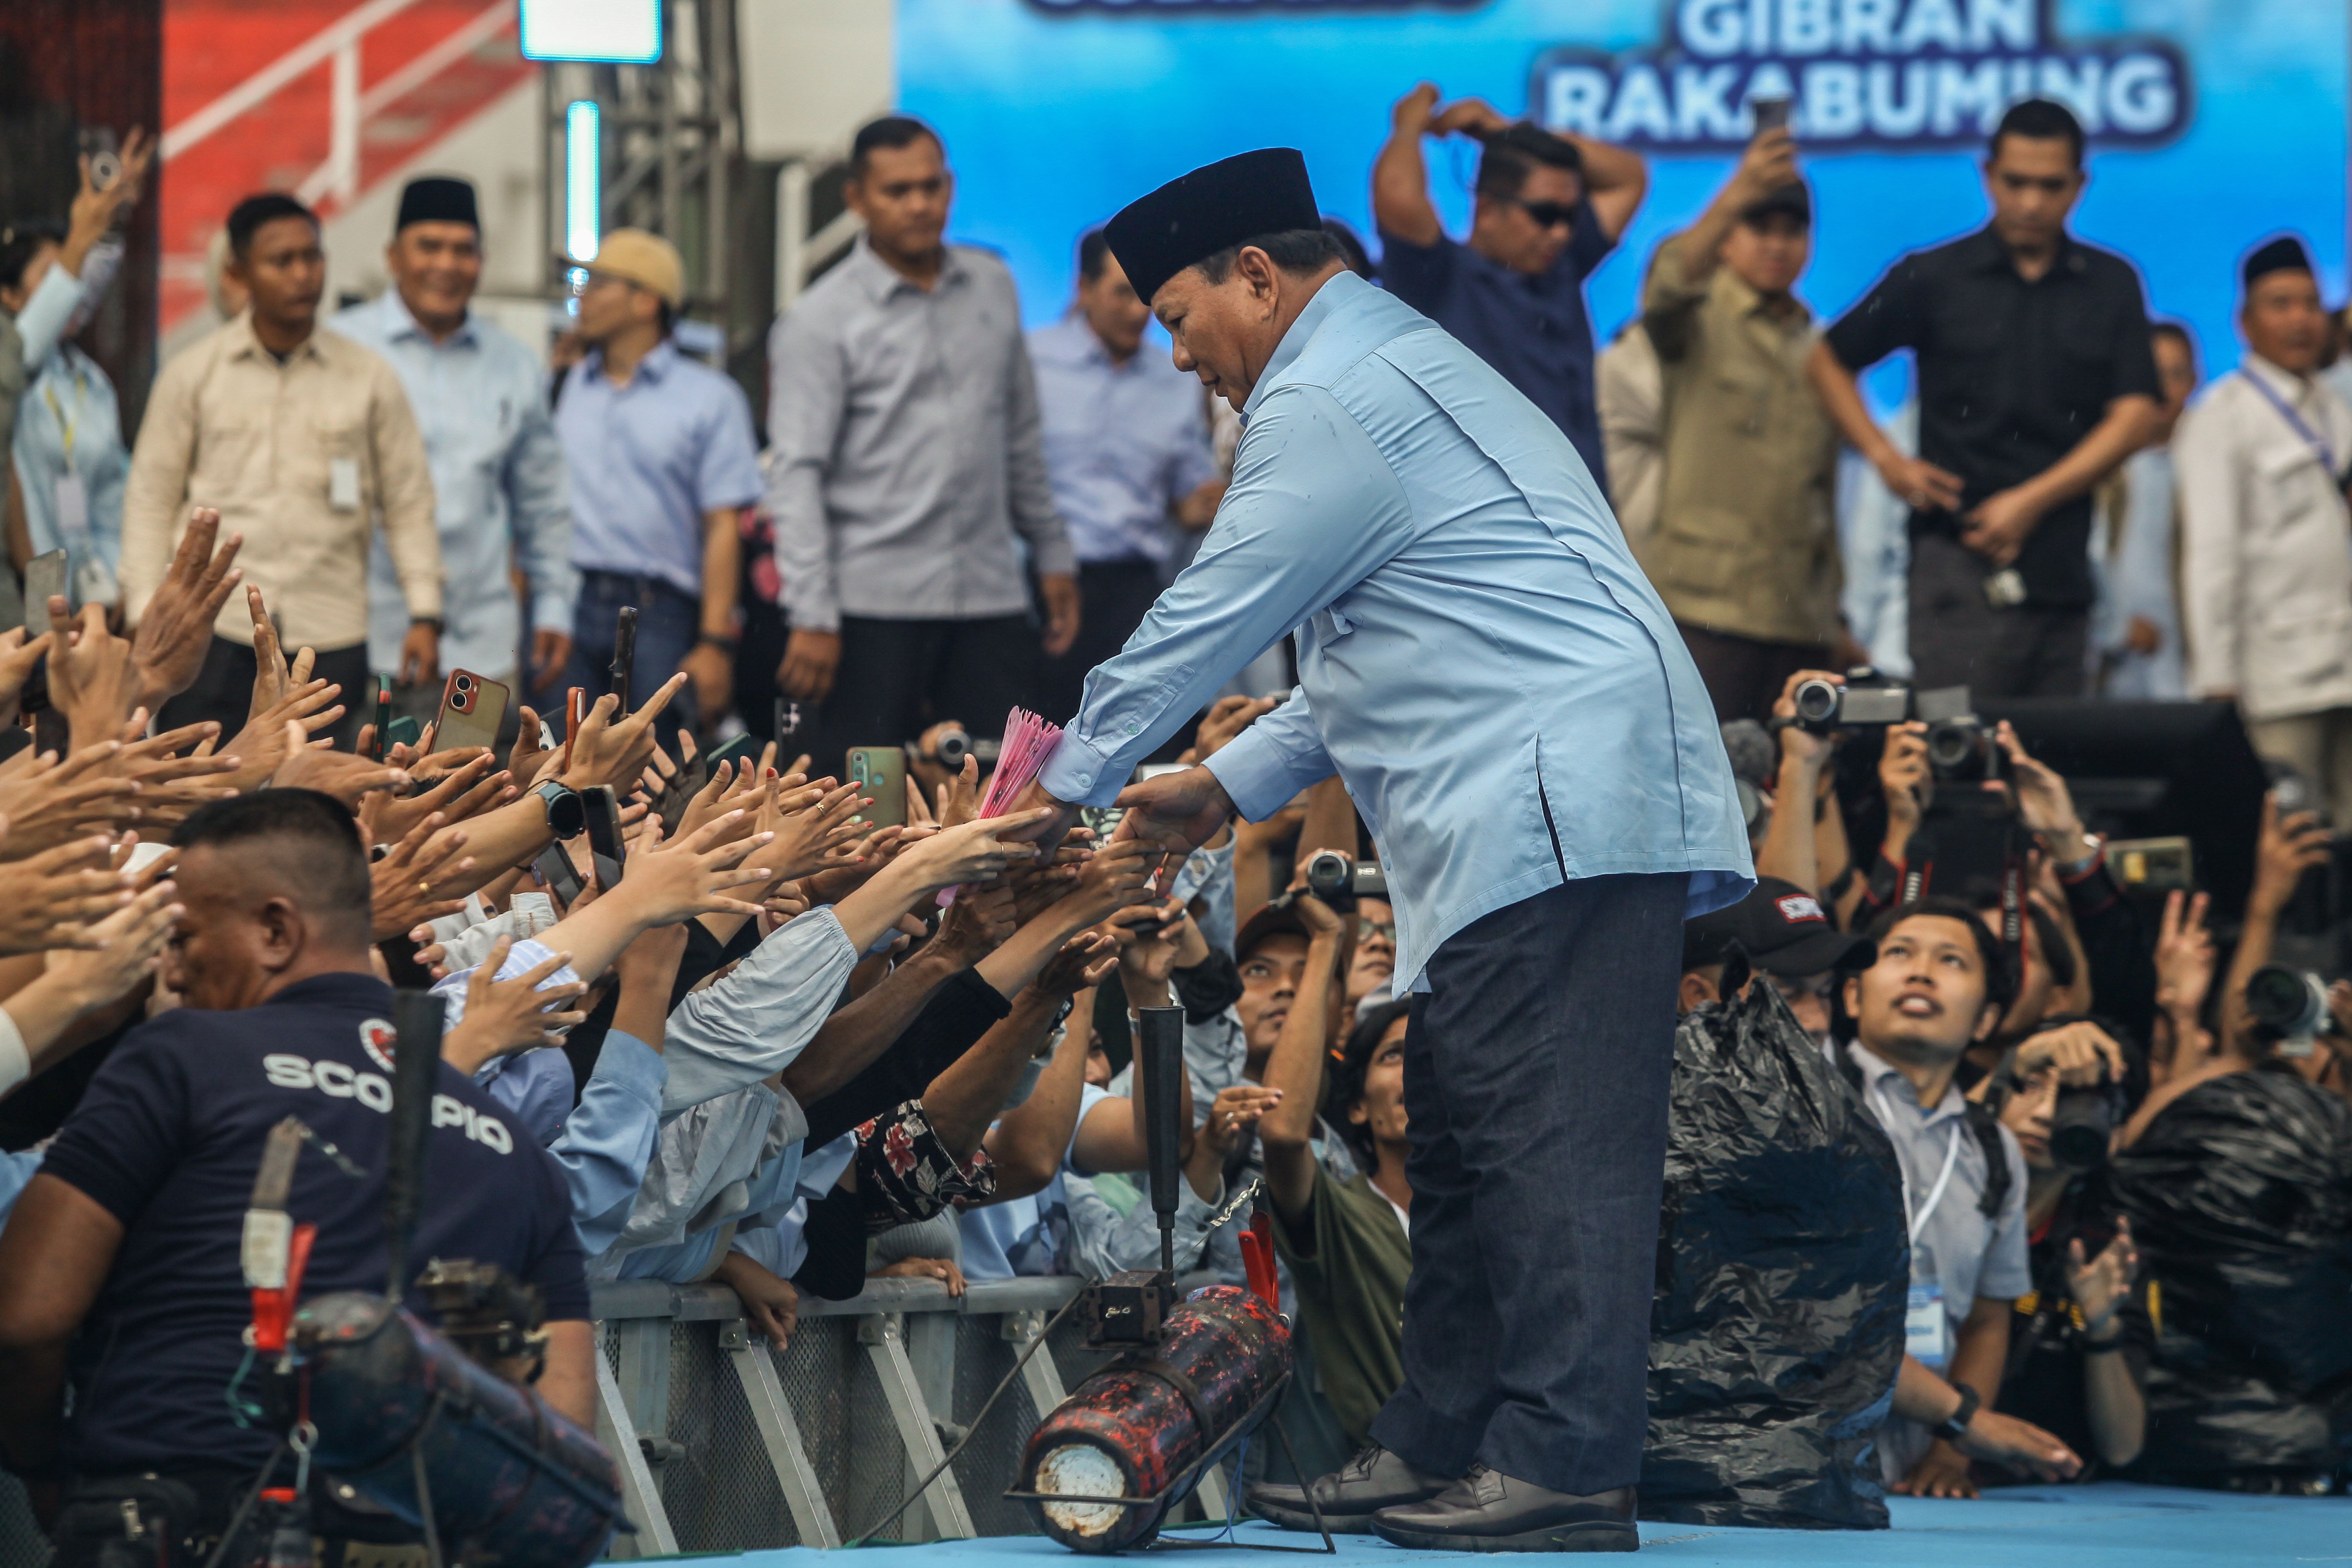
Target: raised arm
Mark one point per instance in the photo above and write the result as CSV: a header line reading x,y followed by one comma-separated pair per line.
x,y
1294,1069
1400,180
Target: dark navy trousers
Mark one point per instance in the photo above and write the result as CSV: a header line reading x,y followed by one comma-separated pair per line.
x,y
1536,1074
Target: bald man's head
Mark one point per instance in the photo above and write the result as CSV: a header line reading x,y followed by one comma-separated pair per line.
x,y
277,891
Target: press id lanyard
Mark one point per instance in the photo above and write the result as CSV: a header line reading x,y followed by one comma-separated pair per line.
x,y
2295,422
1926,1330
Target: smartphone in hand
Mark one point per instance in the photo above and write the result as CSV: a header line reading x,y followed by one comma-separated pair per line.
x,y
624,657
555,869
604,835
1772,113
45,576
472,708
880,771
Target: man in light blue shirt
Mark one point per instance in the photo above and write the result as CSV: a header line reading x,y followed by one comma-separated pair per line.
x,y
498,490
662,464
1483,662
1126,450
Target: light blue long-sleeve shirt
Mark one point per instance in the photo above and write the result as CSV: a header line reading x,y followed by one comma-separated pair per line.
x,y
498,487
1479,657
69,431
609,1138
2135,580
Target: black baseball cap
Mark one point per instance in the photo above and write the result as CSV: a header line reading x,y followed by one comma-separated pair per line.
x,y
1782,927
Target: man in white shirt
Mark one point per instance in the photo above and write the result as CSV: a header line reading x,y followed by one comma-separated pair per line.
x,y
2266,572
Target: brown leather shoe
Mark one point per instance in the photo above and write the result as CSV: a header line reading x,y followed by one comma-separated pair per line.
x,y
1349,1496
1486,1510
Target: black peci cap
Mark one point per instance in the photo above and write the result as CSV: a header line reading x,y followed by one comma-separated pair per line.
x,y
1795,199
1782,927
2285,254
1213,208
437,199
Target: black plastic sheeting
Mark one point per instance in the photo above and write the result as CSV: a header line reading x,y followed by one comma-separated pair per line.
x,y
2240,1193
1776,1330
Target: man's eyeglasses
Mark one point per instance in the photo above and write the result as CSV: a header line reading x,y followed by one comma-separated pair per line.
x,y
1367,929
1550,215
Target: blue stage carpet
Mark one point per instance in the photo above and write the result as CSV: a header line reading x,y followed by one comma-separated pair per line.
x,y
2106,1525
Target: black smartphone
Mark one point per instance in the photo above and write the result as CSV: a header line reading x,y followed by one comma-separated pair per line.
x,y
383,717
624,657
681,787
1772,113
604,835
403,731
563,878
743,748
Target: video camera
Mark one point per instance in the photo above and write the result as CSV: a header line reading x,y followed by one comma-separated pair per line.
x,y
2289,1008
1338,880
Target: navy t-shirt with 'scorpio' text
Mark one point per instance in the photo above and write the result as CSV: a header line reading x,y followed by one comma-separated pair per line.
x,y
168,1141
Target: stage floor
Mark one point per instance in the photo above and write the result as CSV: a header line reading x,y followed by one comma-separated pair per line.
x,y
2106,1525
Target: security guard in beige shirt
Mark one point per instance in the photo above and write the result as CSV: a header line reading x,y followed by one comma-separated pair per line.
x,y
303,441
1744,550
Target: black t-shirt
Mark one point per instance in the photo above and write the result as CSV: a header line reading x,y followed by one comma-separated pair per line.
x,y
168,1141
2012,375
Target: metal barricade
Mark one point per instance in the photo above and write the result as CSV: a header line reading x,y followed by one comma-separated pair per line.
x,y
727,1446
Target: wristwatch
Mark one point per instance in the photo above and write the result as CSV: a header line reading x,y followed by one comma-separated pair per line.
x,y
1955,1426
712,639
565,814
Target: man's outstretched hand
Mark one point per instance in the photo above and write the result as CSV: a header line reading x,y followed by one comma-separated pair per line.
x,y
1176,812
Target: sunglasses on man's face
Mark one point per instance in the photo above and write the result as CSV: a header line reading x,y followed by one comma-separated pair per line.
x,y
1550,215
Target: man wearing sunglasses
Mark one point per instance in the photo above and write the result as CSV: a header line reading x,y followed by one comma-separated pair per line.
x,y
1550,208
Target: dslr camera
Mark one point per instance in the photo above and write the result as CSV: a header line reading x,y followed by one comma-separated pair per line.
x,y
1961,746
2084,1121
2289,1008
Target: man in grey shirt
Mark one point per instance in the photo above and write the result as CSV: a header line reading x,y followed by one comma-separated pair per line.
x,y
1940,982
903,456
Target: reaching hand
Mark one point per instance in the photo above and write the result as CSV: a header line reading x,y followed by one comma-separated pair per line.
x,y
669,882
2044,801
614,751
1113,877
466,792
404,880
266,741
122,950
816,828
2082,1052
942,1270
2283,851
1798,742
53,802
62,897
2185,961
980,921
1413,112
18,654
1233,1112
176,627
91,681
170,786
973,853
1768,164
506,1018
1086,959
1174,812
341,774
2100,1284
529,760
1904,775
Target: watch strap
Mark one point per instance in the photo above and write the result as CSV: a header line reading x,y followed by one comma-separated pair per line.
x,y
1955,1425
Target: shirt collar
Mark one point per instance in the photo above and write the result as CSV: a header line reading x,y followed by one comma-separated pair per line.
x,y
655,365
1877,1072
399,322
249,344
880,280
1989,252
354,987
1073,339
1336,290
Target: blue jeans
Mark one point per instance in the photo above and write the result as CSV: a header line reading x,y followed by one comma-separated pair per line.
x,y
1535,1085
667,622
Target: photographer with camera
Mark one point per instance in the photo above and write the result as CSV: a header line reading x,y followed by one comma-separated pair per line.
x,y
2081,1338
1939,983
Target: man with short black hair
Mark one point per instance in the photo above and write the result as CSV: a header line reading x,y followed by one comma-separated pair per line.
x,y
1939,983
1127,448
2265,577
905,460
304,441
481,400
2036,381
1549,209
663,464
120,1268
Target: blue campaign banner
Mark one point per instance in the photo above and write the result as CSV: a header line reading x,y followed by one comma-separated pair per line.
x,y
2213,126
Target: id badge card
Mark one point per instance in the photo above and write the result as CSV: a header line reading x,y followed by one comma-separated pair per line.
x,y
73,508
344,483
1926,1331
